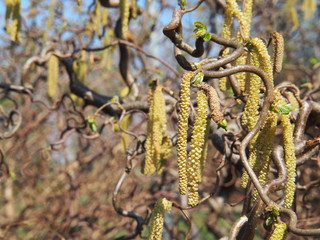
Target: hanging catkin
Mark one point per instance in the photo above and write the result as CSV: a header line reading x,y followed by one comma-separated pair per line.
x,y
197,147
13,19
157,218
278,48
158,143
53,74
184,103
279,232
124,14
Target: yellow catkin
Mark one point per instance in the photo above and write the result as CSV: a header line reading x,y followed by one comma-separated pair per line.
x,y
148,165
203,158
13,19
105,15
166,147
250,113
82,69
53,74
309,7
106,61
134,8
290,159
261,150
197,146
226,33
278,48
97,18
184,103
157,218
124,136
279,232
159,127
158,144
124,14
259,58
243,34
247,12
263,55
227,25
291,12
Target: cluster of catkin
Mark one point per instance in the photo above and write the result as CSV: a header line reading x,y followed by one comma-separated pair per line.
x,y
158,143
191,165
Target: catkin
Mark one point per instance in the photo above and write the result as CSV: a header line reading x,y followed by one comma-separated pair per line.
x,y
184,103
278,48
134,9
291,12
124,14
148,166
261,150
97,18
259,58
53,74
263,56
105,14
279,232
214,102
157,218
158,144
290,159
13,19
80,67
309,7
197,147
247,12
203,158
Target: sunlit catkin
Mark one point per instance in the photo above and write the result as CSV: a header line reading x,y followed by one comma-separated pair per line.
x,y
309,7
203,158
13,19
278,48
279,232
97,18
290,159
148,166
231,8
158,144
124,14
260,58
197,147
134,8
184,104
259,158
291,12
247,12
157,218
53,74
